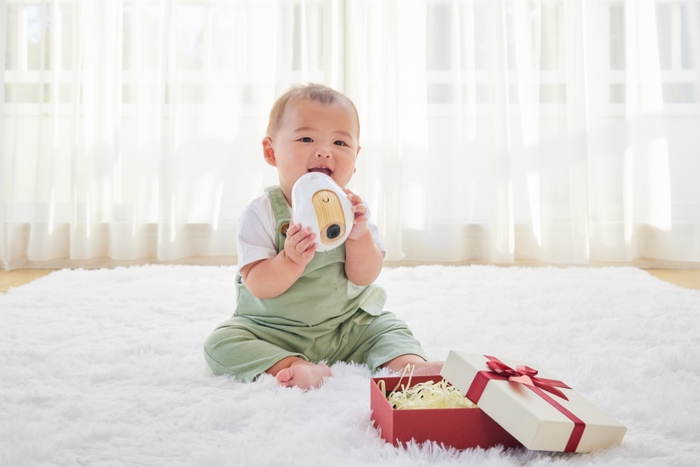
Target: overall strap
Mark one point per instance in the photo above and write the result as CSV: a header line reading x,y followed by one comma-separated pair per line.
x,y
281,211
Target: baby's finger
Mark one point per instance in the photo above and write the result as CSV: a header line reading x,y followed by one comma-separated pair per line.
x,y
359,209
294,236
293,229
297,233
354,199
306,241
302,233
309,251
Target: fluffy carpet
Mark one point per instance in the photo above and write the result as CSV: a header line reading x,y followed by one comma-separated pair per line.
x,y
105,367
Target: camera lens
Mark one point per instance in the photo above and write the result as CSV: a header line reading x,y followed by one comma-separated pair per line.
x,y
333,231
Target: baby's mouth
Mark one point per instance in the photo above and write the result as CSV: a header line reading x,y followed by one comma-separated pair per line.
x,y
324,170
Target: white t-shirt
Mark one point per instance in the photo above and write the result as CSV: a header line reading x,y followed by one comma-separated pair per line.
x,y
257,232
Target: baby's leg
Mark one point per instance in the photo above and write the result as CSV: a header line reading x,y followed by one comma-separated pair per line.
x,y
297,372
386,341
421,366
244,349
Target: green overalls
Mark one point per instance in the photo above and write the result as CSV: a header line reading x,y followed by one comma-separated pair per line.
x,y
321,317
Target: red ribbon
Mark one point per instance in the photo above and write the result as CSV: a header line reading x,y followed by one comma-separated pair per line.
x,y
527,376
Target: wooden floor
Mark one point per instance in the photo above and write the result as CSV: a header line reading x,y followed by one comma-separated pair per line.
x,y
688,278
20,277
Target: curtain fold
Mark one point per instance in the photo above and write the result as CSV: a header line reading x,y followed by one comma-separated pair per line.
x,y
562,131
578,127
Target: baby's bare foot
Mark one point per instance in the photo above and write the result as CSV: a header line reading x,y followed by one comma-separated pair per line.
x,y
303,374
427,368
418,366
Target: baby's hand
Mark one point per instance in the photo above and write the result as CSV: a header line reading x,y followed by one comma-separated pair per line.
x,y
359,227
299,246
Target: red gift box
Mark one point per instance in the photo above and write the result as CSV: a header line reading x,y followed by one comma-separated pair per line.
x,y
460,428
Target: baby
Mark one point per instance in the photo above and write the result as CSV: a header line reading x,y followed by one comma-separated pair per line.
x,y
297,310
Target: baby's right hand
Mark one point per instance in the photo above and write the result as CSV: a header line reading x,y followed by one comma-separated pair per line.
x,y
299,245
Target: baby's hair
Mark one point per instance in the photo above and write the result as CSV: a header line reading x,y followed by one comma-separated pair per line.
x,y
310,92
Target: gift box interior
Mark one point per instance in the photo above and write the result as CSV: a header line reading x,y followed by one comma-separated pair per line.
x,y
460,428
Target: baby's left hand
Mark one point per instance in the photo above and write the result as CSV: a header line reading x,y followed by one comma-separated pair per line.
x,y
359,227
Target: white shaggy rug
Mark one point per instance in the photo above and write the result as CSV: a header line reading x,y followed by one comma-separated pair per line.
x,y
105,367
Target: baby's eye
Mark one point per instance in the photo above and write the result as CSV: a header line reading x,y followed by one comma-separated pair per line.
x,y
306,139
340,143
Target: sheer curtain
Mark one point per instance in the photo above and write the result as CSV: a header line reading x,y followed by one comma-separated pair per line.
x,y
564,131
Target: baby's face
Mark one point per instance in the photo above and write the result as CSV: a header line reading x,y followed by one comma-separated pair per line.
x,y
313,137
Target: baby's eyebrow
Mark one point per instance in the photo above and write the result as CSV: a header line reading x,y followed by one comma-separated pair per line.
x,y
304,129
344,133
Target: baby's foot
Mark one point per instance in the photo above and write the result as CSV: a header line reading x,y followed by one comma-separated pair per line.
x,y
427,368
419,366
303,374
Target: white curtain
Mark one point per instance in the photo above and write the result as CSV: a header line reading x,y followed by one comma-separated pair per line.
x,y
566,131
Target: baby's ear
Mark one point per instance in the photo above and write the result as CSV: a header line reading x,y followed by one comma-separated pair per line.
x,y
269,151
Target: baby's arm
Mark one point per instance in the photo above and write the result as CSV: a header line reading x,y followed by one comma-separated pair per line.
x,y
269,278
363,259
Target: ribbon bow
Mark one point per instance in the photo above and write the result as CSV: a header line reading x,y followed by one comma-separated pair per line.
x,y
527,376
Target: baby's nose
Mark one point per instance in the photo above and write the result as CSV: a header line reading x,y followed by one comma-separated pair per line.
x,y
323,152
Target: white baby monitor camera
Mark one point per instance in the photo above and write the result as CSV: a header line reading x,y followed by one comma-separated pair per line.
x,y
319,203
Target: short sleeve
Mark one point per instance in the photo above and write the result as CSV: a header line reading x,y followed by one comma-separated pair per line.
x,y
257,234
376,236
